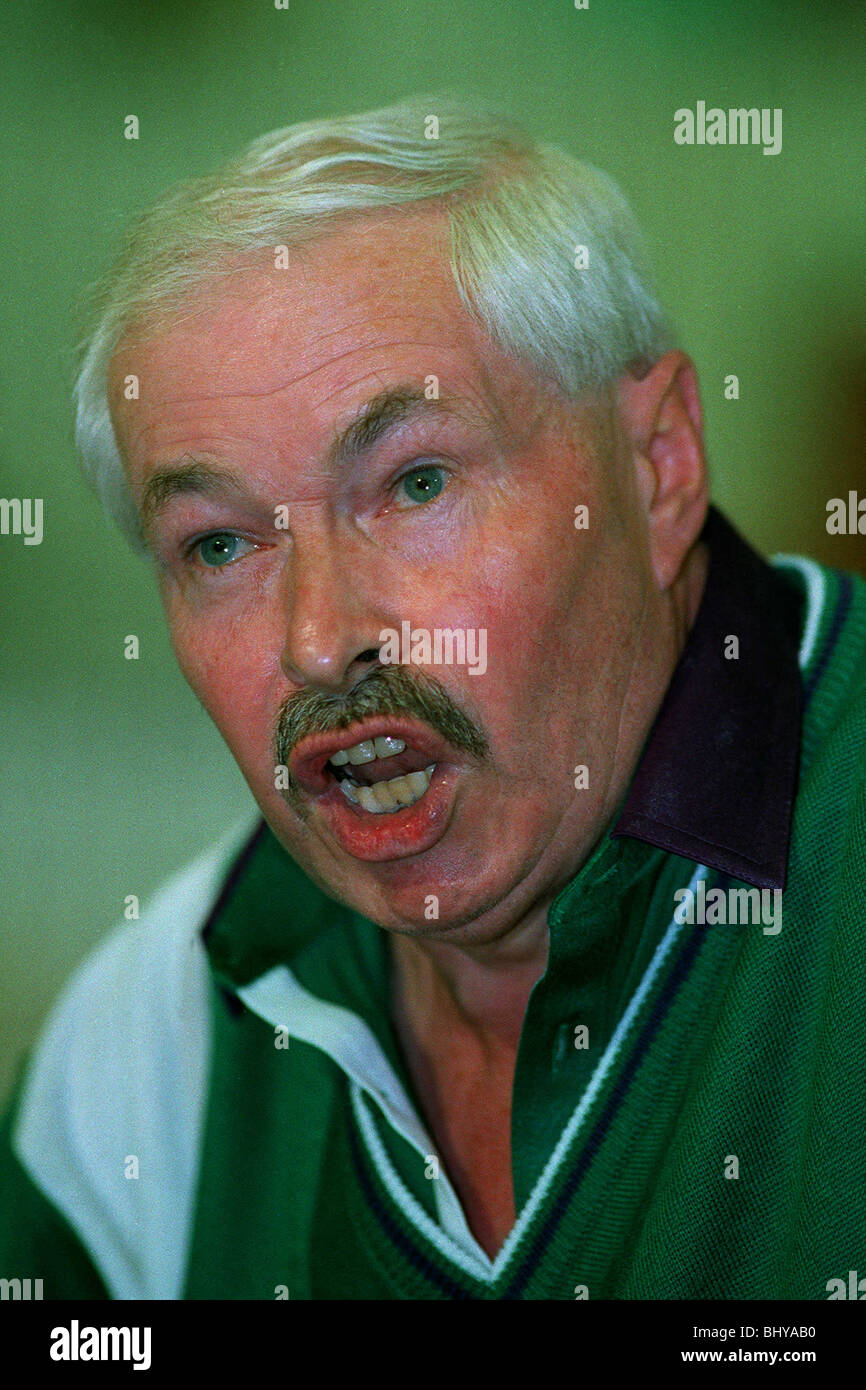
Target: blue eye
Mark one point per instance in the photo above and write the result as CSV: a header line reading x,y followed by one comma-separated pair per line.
x,y
423,484
221,549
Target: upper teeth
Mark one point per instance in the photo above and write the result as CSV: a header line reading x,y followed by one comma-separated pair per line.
x,y
366,751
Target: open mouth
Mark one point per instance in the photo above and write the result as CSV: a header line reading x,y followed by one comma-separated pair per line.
x,y
381,774
380,765
384,788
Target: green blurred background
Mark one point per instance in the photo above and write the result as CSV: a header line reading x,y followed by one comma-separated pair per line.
x,y
113,774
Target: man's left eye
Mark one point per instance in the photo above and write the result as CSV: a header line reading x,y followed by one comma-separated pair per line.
x,y
422,484
221,549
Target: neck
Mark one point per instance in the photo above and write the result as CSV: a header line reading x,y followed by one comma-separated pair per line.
x,y
483,992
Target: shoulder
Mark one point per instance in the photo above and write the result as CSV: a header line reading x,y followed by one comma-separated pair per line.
x,y
829,843
112,1104
832,653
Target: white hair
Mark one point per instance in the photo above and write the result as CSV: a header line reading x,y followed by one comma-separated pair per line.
x,y
518,209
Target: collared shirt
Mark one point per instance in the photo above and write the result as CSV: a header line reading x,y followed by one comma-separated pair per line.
x,y
715,784
625,1108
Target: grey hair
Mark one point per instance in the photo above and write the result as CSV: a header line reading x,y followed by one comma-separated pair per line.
x,y
518,212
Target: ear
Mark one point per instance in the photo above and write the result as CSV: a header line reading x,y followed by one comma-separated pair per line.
x,y
660,414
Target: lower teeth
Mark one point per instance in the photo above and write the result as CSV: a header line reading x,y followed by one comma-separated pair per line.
x,y
384,797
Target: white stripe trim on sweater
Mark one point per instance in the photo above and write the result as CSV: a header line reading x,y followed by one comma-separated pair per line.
x,y
816,598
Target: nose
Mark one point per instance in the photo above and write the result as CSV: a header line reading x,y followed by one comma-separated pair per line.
x,y
330,633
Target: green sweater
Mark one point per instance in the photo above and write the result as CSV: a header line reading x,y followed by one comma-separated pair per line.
x,y
226,1113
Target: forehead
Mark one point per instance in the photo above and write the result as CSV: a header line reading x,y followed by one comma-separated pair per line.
x,y
375,289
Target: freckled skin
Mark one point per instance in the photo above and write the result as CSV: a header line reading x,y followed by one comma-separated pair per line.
x,y
583,627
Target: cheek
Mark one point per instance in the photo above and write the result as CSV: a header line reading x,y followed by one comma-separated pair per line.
x,y
524,613
227,669
532,595
526,594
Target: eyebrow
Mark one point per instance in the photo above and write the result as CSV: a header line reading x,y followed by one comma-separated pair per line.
x,y
379,416
384,413
182,479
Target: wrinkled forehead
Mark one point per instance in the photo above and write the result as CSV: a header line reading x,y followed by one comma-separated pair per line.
x,y
368,307
350,284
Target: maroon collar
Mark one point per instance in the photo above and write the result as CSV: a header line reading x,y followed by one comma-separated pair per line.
x,y
718,774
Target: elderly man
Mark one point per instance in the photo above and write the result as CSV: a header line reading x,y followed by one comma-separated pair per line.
x,y
500,997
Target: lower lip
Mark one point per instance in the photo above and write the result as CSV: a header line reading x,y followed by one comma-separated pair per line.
x,y
393,834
